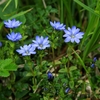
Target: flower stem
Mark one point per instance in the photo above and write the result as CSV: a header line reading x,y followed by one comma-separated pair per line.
x,y
11,30
28,61
40,56
53,60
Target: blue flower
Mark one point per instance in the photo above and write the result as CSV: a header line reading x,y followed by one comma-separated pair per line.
x,y
73,35
57,25
67,90
41,42
12,23
0,44
92,65
14,36
26,50
95,59
50,76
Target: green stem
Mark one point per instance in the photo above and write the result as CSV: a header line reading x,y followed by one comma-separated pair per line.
x,y
53,55
11,30
61,20
40,56
11,49
38,85
67,70
61,10
28,61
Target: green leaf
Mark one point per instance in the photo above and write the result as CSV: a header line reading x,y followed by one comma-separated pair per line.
x,y
20,13
34,97
21,94
62,93
71,84
72,68
9,10
9,1
4,63
28,73
6,66
63,70
45,98
87,8
11,67
4,73
57,62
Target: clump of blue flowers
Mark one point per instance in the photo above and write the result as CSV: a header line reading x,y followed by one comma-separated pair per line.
x,y
14,36
57,25
73,35
26,50
41,43
12,23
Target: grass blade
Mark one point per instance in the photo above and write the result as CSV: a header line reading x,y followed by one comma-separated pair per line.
x,y
6,5
87,8
20,13
16,3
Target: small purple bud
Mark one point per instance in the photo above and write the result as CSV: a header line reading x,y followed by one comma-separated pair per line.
x,y
50,76
95,59
92,65
67,90
0,44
